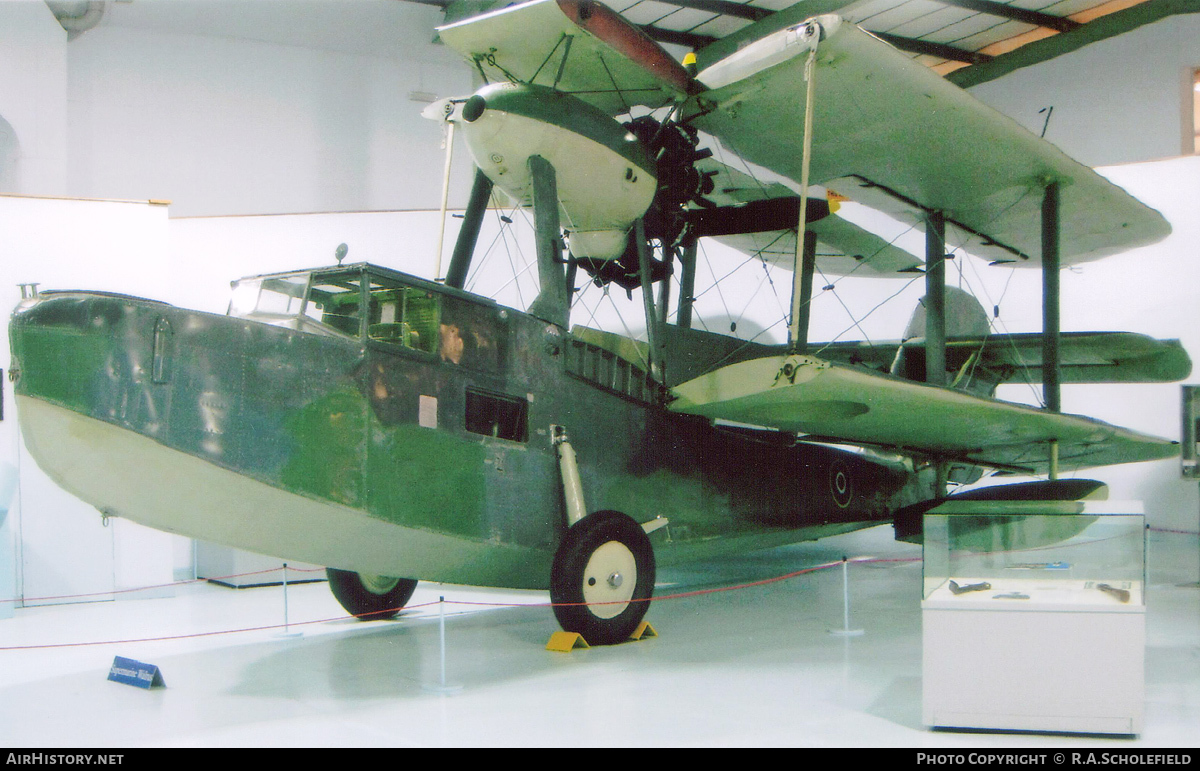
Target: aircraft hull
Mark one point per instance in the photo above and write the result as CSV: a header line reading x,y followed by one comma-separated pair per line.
x,y
127,474
362,456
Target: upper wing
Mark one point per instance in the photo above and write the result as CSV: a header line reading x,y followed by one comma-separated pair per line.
x,y
852,405
891,133
578,46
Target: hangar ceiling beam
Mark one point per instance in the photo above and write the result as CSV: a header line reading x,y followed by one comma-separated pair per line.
x,y
794,14
1098,29
1003,10
724,8
674,37
914,46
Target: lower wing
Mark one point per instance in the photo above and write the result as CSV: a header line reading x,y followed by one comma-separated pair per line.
x,y
851,405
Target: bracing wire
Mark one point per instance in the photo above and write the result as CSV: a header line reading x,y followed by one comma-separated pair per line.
x,y
502,237
643,357
994,322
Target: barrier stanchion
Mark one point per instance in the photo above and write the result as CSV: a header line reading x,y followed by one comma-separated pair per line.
x,y
286,633
442,686
286,626
846,631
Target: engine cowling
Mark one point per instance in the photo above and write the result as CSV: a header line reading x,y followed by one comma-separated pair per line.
x,y
605,178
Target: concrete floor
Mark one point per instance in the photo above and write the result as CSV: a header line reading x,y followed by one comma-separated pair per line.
x,y
752,667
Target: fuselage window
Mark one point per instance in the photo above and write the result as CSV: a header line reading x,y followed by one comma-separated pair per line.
x,y
497,416
472,335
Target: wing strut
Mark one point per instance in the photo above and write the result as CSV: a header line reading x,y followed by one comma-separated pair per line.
x,y
687,282
935,298
652,323
935,319
1051,390
810,76
437,270
551,303
808,266
468,235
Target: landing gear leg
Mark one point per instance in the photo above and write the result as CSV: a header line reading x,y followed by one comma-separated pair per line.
x,y
603,577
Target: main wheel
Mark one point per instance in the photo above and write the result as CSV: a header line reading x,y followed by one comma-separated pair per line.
x,y
602,578
370,597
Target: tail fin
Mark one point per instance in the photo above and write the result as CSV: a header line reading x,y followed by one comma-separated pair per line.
x,y
965,318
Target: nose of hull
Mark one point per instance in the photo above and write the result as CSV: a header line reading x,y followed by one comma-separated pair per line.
x,y
85,351
251,435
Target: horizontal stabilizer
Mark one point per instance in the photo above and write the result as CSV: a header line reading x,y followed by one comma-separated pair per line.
x,y
975,364
838,403
982,363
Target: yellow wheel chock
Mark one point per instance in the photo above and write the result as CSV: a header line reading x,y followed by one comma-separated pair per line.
x,y
643,630
565,642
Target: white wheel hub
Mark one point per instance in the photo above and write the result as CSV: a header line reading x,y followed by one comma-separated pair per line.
x,y
377,584
609,577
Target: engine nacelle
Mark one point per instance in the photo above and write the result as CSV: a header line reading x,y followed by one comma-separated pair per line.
x,y
605,179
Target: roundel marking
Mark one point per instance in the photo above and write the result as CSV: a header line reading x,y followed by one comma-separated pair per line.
x,y
841,486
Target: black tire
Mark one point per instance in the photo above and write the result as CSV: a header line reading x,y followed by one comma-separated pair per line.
x,y
370,598
596,553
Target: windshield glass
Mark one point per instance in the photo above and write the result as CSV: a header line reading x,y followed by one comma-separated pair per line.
x,y
279,295
292,300
336,300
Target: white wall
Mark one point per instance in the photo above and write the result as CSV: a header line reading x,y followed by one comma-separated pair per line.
x,y
8,552
33,100
62,548
222,125
1128,98
1155,290
209,252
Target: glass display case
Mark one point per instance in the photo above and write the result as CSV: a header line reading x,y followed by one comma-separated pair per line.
x,y
1043,554
1033,616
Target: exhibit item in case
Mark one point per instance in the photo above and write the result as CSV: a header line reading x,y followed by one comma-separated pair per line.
x,y
1049,597
1057,552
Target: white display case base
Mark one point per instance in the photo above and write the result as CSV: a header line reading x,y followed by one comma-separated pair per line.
x,y
1023,669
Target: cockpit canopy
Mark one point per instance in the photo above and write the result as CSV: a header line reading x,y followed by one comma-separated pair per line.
x,y
357,301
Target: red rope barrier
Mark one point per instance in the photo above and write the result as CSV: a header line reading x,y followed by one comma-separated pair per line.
x,y
321,570
162,586
676,596
472,603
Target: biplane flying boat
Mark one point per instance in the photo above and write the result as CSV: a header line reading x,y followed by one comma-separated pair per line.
x,y
396,428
